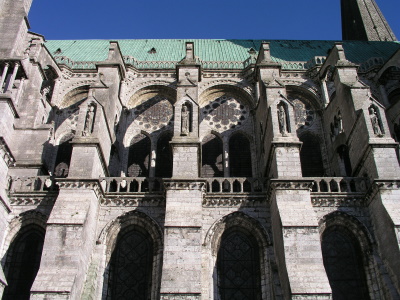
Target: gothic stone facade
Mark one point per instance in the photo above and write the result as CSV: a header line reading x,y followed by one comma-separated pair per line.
x,y
207,169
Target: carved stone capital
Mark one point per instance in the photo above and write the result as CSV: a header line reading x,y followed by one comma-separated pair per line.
x,y
185,184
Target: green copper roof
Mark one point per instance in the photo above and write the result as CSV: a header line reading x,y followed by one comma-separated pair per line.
x,y
212,54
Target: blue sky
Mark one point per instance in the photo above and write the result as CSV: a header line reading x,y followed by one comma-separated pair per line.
x,y
217,19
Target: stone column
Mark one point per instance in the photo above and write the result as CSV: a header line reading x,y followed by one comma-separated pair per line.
x,y
9,86
3,76
181,271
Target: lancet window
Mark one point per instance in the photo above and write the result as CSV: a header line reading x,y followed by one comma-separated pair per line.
x,y
212,159
139,156
240,156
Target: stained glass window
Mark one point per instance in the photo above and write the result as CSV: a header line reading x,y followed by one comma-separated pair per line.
x,y
343,264
238,266
131,267
22,264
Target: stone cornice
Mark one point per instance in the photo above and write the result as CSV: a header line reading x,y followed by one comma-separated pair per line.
x,y
291,184
134,200
338,200
185,184
5,153
81,183
233,200
382,185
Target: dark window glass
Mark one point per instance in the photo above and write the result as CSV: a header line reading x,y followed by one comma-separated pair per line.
x,y
239,156
22,264
343,265
238,266
139,156
212,165
63,159
164,157
131,267
311,157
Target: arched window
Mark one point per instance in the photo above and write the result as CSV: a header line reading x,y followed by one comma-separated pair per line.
x,y
164,157
310,156
139,156
22,263
211,156
131,266
63,159
238,266
343,264
239,156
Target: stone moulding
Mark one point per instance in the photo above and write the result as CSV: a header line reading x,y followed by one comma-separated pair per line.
x,y
180,296
80,183
27,199
185,184
230,200
137,200
337,200
382,185
291,184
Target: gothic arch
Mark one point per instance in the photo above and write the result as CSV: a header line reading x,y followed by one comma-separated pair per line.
x,y
22,252
215,91
133,220
139,156
229,84
74,95
63,155
30,217
248,226
358,246
139,96
307,93
212,156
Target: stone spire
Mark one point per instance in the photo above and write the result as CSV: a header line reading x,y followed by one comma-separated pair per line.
x,y
363,20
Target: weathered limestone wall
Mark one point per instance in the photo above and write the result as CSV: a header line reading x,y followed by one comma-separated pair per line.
x,y
181,271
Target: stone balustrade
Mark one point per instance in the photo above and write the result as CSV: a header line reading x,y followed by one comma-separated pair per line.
x,y
235,185
131,184
340,185
19,184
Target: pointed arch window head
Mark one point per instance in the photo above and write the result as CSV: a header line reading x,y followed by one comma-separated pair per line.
x,y
212,156
238,266
139,156
22,262
131,266
343,263
63,159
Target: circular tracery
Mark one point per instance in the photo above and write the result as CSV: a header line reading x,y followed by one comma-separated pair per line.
x,y
225,113
303,113
154,113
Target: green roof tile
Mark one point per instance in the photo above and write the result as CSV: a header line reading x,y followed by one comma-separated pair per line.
x,y
286,52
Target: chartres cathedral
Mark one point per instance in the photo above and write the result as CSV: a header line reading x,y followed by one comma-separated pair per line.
x,y
200,169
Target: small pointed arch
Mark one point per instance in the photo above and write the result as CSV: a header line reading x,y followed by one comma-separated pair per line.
x,y
376,120
212,156
240,163
284,117
311,155
251,241
139,156
346,249
64,154
164,156
133,256
24,245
